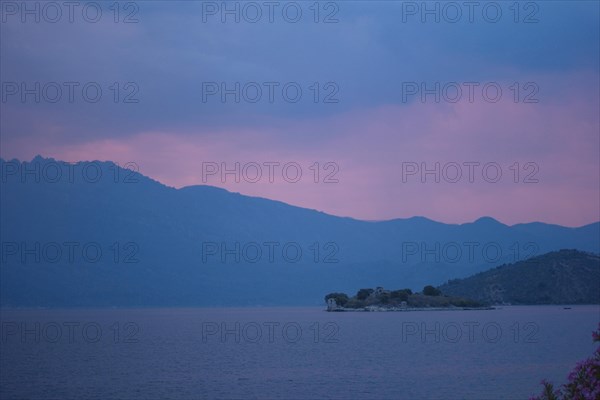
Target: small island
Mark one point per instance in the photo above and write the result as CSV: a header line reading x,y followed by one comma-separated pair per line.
x,y
380,299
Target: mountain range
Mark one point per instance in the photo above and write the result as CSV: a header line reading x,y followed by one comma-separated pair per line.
x,y
205,246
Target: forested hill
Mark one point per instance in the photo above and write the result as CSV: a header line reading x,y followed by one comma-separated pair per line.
x,y
560,277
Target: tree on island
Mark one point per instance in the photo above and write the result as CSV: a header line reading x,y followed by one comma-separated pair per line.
x,y
431,291
401,295
384,298
340,298
362,294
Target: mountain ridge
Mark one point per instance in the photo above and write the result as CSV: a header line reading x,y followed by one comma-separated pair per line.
x,y
172,228
485,219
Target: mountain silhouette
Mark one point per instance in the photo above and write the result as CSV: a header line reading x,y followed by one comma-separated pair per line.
x,y
202,245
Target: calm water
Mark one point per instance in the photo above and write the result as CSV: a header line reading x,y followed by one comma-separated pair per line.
x,y
290,353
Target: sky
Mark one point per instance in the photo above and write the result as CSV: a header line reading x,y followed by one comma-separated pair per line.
x,y
374,110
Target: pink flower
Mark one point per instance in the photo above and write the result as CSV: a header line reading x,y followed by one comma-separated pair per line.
x,y
583,381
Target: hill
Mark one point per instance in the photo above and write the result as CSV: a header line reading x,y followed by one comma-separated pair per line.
x,y
560,277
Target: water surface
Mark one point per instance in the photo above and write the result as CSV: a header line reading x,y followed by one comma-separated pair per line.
x,y
290,353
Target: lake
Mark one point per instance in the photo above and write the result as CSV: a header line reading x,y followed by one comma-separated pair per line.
x,y
290,353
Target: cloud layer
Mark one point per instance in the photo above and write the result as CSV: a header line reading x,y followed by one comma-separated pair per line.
x,y
542,132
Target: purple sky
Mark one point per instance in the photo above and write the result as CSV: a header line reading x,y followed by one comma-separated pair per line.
x,y
370,133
